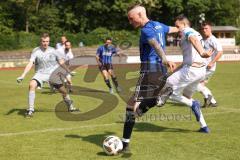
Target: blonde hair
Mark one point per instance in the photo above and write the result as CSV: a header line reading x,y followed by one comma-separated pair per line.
x,y
137,7
183,19
44,35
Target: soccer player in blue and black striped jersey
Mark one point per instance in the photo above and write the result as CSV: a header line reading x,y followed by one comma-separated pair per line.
x,y
104,59
153,72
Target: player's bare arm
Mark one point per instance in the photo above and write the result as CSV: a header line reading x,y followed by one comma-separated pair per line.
x,y
98,60
216,58
121,53
26,70
198,46
63,65
161,53
173,30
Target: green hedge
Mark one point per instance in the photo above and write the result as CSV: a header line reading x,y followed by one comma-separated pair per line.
x,y
23,40
18,40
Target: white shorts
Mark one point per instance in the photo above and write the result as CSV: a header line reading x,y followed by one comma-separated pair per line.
x,y
41,78
209,74
185,80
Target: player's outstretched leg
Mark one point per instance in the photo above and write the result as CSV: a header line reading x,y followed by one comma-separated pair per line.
x,y
69,83
115,82
212,100
127,130
164,95
131,115
208,97
195,106
107,81
67,99
31,98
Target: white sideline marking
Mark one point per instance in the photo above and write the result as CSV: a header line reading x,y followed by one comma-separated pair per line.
x,y
53,130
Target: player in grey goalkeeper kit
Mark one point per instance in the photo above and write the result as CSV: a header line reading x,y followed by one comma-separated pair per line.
x,y
46,60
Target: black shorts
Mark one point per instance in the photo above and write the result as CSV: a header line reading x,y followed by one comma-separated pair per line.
x,y
106,66
150,84
57,86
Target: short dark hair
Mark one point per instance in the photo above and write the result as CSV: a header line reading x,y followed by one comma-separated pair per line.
x,y
180,17
45,35
108,38
67,42
206,23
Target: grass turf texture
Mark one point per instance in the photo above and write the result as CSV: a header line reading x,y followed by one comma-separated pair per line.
x,y
161,134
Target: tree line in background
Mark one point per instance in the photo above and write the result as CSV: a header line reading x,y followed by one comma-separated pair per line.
x,y
82,19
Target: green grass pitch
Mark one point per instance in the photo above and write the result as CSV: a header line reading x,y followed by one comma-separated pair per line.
x,y
164,133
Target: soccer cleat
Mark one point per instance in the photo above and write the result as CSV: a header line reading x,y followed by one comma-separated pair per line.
x,y
196,109
164,96
71,108
207,101
38,87
159,102
29,114
70,91
111,91
126,148
139,112
204,130
213,105
19,79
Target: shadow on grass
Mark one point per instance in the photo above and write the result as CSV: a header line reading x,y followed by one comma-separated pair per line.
x,y
22,112
49,92
96,139
175,104
149,127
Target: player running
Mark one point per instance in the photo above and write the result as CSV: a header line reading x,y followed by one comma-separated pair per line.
x,y
46,60
104,59
67,55
185,79
153,67
210,42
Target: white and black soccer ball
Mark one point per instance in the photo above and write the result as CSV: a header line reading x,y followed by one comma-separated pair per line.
x,y
112,145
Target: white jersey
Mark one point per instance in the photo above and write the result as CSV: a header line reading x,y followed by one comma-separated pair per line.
x,y
190,54
45,61
60,46
213,44
66,55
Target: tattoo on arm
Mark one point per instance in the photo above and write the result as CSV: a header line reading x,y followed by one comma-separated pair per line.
x,y
158,48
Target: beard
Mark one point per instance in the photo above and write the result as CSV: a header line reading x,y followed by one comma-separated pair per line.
x,y
66,50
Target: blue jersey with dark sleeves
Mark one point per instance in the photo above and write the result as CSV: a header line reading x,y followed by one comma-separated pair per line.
x,y
105,53
152,30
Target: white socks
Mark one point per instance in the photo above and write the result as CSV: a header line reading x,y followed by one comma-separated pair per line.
x,y
181,99
189,103
31,99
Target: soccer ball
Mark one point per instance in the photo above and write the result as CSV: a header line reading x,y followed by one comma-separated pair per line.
x,y
112,145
